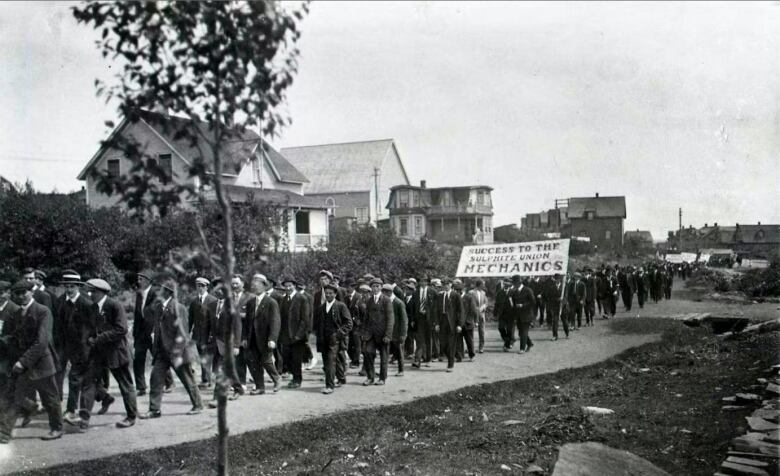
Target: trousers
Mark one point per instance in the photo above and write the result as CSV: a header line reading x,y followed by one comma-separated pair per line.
x,y
160,367
372,345
94,385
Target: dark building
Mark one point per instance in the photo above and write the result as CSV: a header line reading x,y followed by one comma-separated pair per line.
x,y
598,218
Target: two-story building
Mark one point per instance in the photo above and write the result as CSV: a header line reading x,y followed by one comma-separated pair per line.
x,y
444,214
598,218
352,179
252,170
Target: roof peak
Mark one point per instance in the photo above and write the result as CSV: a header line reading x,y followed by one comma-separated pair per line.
x,y
338,143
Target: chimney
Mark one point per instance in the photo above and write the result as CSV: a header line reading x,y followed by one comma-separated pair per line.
x,y
422,183
759,223
716,224
705,225
597,194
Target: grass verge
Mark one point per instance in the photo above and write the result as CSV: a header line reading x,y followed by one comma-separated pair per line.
x,y
666,398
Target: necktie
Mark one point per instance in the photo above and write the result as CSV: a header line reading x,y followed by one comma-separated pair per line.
x,y
219,308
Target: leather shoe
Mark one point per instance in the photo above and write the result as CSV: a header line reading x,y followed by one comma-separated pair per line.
x,y
52,435
83,426
168,388
450,369
105,404
71,418
149,415
380,382
327,391
140,392
25,421
195,411
257,391
294,385
368,382
213,404
126,423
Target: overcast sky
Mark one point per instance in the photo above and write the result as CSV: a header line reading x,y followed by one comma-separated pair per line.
x,y
670,104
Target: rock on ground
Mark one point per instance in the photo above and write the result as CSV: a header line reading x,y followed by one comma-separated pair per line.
x,y
595,459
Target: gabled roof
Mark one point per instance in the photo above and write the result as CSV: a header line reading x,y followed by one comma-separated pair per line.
x,y
346,167
605,207
758,233
238,194
236,153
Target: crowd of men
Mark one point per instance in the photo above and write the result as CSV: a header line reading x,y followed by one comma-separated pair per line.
x,y
84,333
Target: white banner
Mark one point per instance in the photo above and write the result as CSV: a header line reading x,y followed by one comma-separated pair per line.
x,y
674,259
532,258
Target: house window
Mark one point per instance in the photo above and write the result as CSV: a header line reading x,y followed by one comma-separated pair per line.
x,y
361,214
418,226
302,223
479,223
445,199
403,199
415,199
403,227
608,235
257,171
590,215
166,165
480,198
113,167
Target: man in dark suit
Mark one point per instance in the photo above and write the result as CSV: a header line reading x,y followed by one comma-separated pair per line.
x,y
40,293
576,295
523,304
412,307
502,313
552,295
536,286
299,325
262,334
641,286
7,307
397,291
611,290
470,319
591,291
202,330
219,315
352,299
73,326
626,291
450,321
400,327
241,298
110,349
425,302
26,341
376,333
331,327
143,326
171,348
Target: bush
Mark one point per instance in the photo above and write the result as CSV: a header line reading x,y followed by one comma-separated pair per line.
x,y
761,282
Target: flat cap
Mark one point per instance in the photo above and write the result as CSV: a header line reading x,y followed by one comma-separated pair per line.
x,y
387,287
146,274
22,286
288,279
332,287
436,282
365,288
517,279
40,274
368,277
202,280
328,274
260,277
413,281
99,284
410,285
4,285
376,281
446,281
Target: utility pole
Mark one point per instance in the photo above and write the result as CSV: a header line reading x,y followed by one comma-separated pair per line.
x,y
376,194
679,231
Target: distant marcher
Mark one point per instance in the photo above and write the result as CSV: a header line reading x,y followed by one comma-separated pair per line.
x,y
450,322
202,329
333,324
377,332
400,326
523,304
263,323
553,297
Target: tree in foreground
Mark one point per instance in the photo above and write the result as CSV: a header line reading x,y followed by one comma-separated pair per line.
x,y
224,66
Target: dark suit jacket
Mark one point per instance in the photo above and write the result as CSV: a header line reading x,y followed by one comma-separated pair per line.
x,y
220,322
341,317
429,305
200,325
577,292
552,293
73,325
299,322
379,320
470,310
28,341
8,311
399,293
264,322
450,312
591,289
143,319
523,303
241,307
401,324
354,306
171,339
44,297
111,346
412,309
501,307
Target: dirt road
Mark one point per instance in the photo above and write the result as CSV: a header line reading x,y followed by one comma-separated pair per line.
x,y
587,346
